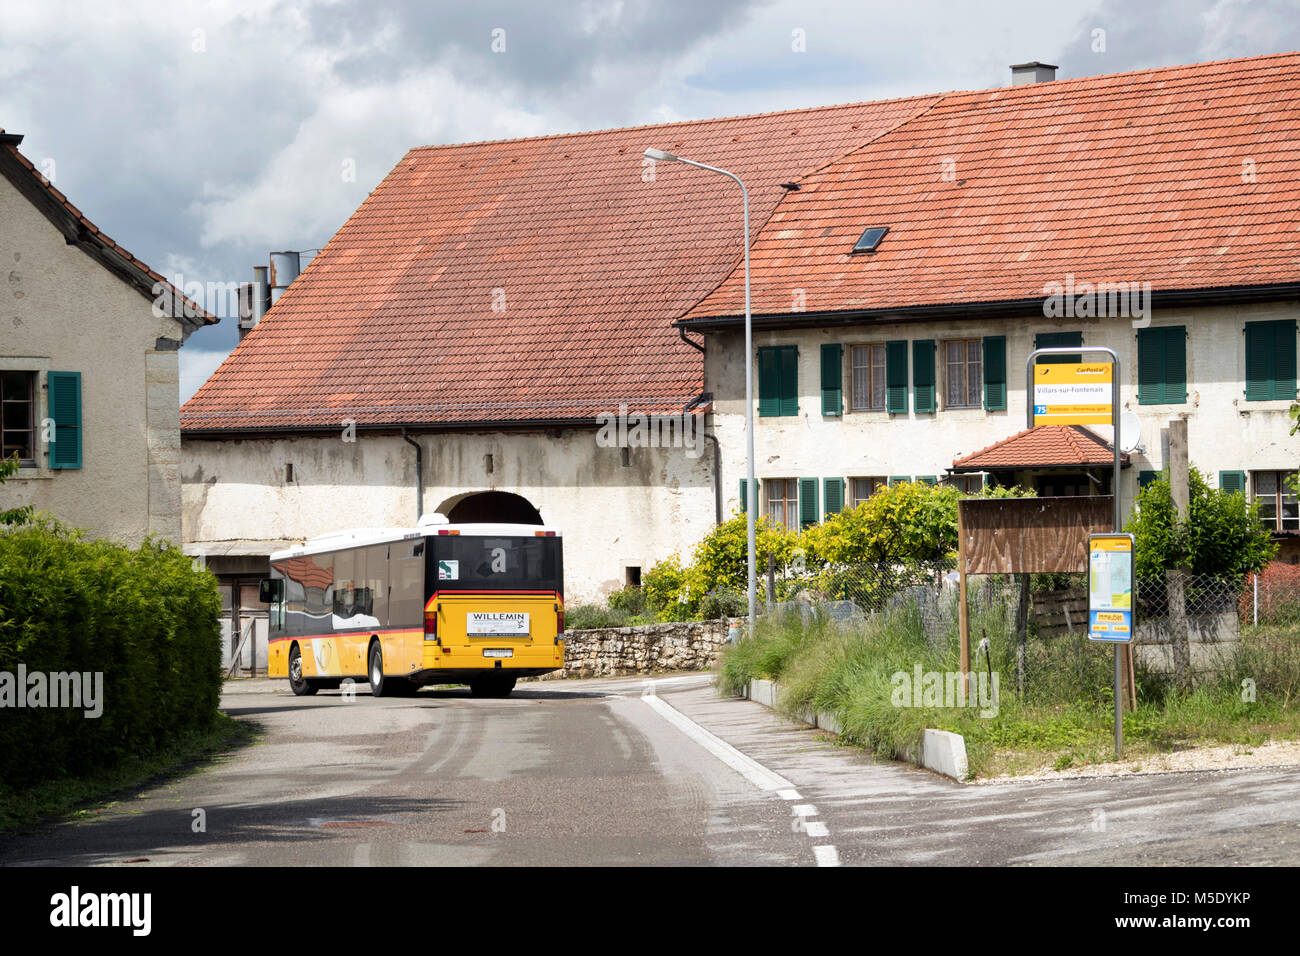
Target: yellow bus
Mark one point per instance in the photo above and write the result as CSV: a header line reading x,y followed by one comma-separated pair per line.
x,y
476,604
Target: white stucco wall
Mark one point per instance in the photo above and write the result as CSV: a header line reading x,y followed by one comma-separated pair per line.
x,y
1225,431
62,311
612,516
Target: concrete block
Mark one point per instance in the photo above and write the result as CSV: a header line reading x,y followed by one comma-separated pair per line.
x,y
828,721
944,752
763,692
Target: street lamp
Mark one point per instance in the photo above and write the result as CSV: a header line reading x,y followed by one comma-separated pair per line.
x,y
751,496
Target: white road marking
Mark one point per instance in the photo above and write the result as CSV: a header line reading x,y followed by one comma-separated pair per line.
x,y
826,855
747,767
750,769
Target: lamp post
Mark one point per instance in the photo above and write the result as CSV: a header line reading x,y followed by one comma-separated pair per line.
x,y
751,494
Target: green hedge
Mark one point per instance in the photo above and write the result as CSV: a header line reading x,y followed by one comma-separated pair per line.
x,y
143,617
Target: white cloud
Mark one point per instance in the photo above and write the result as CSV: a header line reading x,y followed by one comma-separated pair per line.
x,y
196,367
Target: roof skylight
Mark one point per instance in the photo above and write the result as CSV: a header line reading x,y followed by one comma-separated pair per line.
x,y
870,239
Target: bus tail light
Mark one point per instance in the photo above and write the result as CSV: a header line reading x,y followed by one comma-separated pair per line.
x,y
431,626
559,623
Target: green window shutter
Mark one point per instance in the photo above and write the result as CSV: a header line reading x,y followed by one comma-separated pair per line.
x,y
923,375
769,382
1270,361
896,378
995,373
928,479
1146,477
1285,382
1231,481
65,409
898,479
1058,340
1151,386
832,374
744,495
833,495
1162,366
789,380
1175,364
808,513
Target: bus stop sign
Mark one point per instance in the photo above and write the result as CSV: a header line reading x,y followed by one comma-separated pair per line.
x,y
1110,588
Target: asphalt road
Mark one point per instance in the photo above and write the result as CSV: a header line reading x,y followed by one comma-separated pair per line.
x,y
595,773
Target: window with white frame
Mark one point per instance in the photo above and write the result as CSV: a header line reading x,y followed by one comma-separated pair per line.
x,y
863,488
868,378
968,484
18,416
783,502
964,382
1276,493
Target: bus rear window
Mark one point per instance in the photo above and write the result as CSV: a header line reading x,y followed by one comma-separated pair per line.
x,y
495,563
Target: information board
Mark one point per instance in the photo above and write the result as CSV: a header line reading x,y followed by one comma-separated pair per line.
x,y
1110,588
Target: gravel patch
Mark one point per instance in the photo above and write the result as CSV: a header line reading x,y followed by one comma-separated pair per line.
x,y
1279,753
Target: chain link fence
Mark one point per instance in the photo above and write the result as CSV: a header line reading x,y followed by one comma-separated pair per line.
x,y
1032,629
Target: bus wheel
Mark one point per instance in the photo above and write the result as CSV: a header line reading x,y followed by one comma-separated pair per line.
x,y
299,684
492,686
378,686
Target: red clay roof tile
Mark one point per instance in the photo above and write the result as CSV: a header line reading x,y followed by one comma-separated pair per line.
x,y
1183,177
1045,446
588,265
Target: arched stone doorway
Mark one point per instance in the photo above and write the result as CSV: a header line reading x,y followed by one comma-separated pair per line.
x,y
490,506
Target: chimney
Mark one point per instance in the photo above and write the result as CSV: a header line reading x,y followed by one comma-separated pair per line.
x,y
285,267
254,300
1032,72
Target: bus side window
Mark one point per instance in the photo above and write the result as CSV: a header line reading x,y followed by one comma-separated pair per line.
x,y
406,601
376,582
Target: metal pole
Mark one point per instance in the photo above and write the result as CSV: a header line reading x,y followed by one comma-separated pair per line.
x,y
1118,513
751,494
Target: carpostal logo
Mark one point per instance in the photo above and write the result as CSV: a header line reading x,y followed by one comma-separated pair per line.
x,y
76,909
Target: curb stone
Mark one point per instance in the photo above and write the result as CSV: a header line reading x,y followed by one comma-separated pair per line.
x,y
941,751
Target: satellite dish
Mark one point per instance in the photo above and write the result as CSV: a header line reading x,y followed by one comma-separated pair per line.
x,y
1130,431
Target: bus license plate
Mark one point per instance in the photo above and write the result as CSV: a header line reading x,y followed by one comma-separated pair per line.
x,y
498,652
496,623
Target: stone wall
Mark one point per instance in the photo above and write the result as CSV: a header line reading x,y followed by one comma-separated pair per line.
x,y
1213,641
646,649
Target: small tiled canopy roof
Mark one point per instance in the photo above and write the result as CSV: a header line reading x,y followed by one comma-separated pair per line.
x,y
1186,177
1046,446
527,280
81,232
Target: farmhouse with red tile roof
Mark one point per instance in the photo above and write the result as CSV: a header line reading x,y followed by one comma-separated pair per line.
x,y
489,302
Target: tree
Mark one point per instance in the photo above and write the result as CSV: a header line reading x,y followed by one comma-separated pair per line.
x,y
1222,535
720,559
909,522
12,516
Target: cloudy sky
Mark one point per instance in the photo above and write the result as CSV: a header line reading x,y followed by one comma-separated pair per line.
x,y
202,135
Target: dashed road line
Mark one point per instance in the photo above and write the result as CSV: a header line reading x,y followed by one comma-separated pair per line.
x,y
766,780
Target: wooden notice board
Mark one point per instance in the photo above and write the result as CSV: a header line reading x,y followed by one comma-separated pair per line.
x,y
1030,535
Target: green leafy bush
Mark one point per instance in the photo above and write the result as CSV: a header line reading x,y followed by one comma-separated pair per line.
x,y
630,600
144,618
672,591
584,617
1221,536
